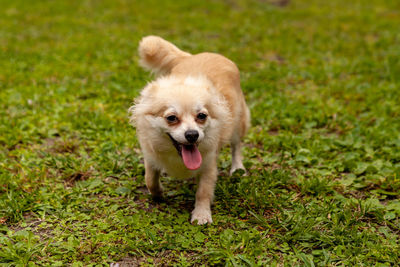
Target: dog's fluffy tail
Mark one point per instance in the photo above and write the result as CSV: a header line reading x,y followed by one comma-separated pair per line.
x,y
158,55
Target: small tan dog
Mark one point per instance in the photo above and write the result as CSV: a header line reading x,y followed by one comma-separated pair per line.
x,y
186,115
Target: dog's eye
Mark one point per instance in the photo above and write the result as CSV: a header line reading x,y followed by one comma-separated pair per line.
x,y
172,119
201,116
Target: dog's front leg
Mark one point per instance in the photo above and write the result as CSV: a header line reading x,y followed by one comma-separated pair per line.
x,y
205,194
152,177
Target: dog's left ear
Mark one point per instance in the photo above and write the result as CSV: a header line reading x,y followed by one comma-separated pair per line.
x,y
217,106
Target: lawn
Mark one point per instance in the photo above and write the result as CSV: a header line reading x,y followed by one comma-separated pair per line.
x,y
321,78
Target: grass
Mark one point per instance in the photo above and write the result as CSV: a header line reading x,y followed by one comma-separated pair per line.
x,y
322,82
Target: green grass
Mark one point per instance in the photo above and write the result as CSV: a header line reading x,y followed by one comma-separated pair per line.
x,y
322,79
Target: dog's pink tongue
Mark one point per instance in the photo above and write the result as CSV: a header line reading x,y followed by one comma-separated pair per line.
x,y
191,157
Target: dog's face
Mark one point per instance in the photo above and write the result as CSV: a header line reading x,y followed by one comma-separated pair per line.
x,y
185,123
185,114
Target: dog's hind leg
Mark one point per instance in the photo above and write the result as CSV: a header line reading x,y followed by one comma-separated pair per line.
x,y
152,177
236,145
236,150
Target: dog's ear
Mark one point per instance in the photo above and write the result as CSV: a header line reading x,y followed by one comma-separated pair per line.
x,y
220,118
147,104
149,90
142,103
217,106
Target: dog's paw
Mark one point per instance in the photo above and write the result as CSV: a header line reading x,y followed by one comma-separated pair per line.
x,y
156,192
158,198
237,166
202,216
240,170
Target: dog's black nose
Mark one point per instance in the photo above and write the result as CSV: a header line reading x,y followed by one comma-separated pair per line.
x,y
191,136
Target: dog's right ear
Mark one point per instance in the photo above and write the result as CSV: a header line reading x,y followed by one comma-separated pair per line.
x,y
149,90
144,104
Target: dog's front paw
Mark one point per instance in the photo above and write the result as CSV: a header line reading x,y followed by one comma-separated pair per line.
x,y
156,192
202,216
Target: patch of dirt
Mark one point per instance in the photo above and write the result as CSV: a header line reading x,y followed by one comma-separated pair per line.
x,y
280,3
233,4
33,222
164,258
58,145
129,262
274,57
75,177
273,132
213,36
12,147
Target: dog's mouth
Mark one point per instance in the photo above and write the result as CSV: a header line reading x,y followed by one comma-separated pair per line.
x,y
190,154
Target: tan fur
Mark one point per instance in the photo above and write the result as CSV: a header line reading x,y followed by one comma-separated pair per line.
x,y
224,74
158,55
188,84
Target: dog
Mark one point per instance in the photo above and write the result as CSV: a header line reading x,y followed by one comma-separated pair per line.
x,y
185,116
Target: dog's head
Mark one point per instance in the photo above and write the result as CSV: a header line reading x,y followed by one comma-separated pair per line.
x,y
186,113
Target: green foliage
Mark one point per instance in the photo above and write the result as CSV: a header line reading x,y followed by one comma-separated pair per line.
x,y
323,159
